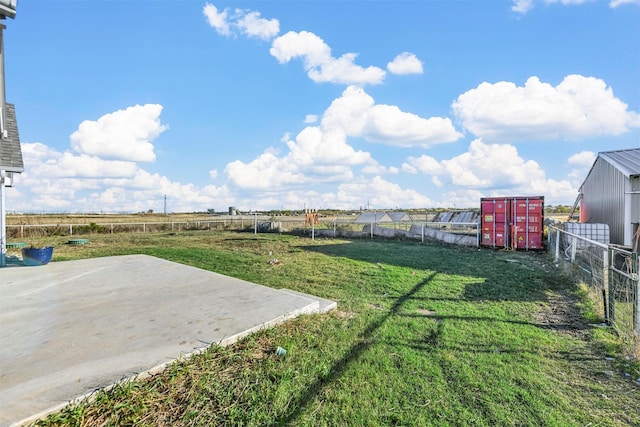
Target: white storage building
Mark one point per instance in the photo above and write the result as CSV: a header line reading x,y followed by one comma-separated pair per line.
x,y
610,194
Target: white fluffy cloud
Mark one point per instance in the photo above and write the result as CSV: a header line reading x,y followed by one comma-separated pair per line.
x,y
616,3
322,153
324,146
122,135
253,25
318,61
217,19
310,118
577,108
378,193
405,63
136,193
265,172
464,198
44,162
612,3
492,169
423,164
580,164
35,153
582,159
491,165
246,22
320,65
84,166
315,156
566,2
78,179
524,6
357,113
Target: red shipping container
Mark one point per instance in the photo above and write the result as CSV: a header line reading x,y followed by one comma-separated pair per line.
x,y
527,223
494,222
512,222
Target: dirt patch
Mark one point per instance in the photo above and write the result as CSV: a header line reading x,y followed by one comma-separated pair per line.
x,y
426,312
562,314
344,314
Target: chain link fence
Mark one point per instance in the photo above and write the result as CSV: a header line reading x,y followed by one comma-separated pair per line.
x,y
611,276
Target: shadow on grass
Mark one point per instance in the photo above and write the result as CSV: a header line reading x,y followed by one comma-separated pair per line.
x,y
500,275
430,344
495,276
350,356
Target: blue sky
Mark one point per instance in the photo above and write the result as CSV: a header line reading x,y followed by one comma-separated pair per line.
x,y
324,104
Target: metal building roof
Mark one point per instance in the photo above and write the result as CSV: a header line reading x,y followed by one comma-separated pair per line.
x,y
626,161
457,216
10,151
399,216
373,218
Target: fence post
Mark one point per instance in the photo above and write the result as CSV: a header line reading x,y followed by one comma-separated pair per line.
x,y
557,243
422,233
70,229
574,244
636,306
608,303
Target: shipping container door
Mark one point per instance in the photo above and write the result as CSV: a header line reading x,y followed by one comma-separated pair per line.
x,y
494,222
527,225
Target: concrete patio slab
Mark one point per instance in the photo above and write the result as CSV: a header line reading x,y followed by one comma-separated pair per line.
x,y
325,305
70,328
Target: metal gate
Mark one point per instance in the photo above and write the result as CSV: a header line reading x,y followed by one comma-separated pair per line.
x,y
624,289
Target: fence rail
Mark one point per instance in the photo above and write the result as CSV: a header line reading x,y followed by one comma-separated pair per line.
x,y
611,274
37,230
450,232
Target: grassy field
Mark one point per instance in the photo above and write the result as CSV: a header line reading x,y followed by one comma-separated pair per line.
x,y
424,335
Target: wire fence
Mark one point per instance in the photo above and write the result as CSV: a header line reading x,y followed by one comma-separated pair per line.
x,y
24,231
334,227
611,276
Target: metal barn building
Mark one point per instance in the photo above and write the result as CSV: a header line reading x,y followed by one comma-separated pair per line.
x,y
610,194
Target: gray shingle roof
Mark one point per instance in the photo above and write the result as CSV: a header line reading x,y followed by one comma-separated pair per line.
x,y
627,161
10,151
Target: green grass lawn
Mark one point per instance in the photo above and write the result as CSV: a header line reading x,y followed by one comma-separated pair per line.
x,y
424,335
